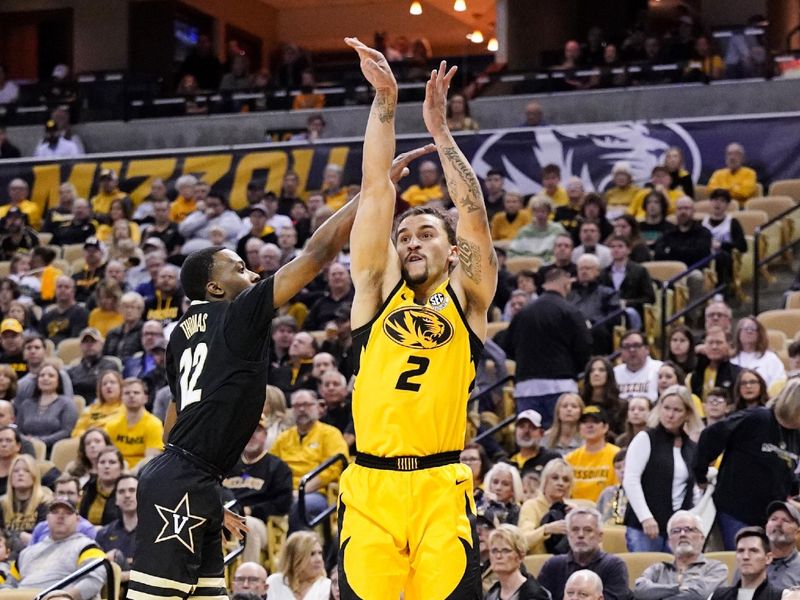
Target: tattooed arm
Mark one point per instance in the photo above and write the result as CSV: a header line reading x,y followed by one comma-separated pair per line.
x,y
477,272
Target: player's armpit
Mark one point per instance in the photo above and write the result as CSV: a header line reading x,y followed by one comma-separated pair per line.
x,y
169,420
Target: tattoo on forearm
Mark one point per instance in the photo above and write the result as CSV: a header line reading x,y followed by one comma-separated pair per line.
x,y
472,199
469,255
384,106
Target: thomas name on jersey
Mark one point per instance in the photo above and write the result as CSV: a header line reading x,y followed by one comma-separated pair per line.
x,y
194,323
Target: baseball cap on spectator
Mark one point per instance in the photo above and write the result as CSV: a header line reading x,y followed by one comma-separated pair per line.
x,y
108,174
91,332
530,415
10,324
260,208
154,242
63,502
93,242
594,412
790,510
622,166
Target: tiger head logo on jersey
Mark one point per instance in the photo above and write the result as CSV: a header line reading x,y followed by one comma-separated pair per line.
x,y
417,328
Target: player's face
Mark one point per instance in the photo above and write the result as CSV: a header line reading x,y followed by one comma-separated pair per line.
x,y
230,274
423,248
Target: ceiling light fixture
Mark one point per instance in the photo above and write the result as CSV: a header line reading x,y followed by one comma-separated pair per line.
x,y
460,6
493,46
416,8
476,37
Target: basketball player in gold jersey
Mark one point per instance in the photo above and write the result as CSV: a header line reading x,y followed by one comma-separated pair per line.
x,y
422,292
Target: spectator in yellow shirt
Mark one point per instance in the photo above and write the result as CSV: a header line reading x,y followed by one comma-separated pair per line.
x,y
332,189
185,203
304,447
108,192
593,462
660,179
739,180
621,194
136,432
18,198
427,189
506,224
551,184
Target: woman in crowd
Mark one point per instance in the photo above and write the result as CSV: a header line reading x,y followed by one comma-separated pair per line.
x,y
751,351
22,313
563,436
628,227
106,316
279,418
91,442
673,160
600,389
556,488
636,420
9,290
750,390
749,477
717,405
681,348
506,555
670,374
49,415
458,114
655,217
98,505
475,457
302,570
10,447
107,407
8,383
503,493
25,501
658,471
594,209
118,211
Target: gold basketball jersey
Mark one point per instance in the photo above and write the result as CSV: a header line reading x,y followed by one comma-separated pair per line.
x,y
415,369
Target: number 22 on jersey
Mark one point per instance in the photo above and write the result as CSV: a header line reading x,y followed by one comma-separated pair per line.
x,y
191,367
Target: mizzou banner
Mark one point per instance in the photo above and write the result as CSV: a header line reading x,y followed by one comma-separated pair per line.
x,y
772,144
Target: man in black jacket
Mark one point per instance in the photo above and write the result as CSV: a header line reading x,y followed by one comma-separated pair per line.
x,y
551,343
630,279
714,368
689,243
752,558
262,485
596,302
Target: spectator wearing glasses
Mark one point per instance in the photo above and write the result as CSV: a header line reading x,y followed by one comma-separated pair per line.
x,y
506,552
637,376
753,559
658,479
717,405
750,390
719,314
783,523
714,368
691,576
250,578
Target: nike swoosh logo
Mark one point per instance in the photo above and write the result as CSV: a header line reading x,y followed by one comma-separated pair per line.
x,y
460,481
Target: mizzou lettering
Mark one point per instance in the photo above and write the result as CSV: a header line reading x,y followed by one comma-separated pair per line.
x,y
243,483
163,314
592,473
125,439
634,388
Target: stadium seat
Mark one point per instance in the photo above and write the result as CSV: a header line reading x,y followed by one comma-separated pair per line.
x,y
728,558
704,206
45,238
777,340
277,529
5,268
64,451
23,594
773,206
62,266
39,448
786,187
792,300
750,219
80,403
664,270
45,466
700,192
116,583
637,562
68,350
77,265
522,263
534,562
787,321
494,327
319,336
72,252
614,539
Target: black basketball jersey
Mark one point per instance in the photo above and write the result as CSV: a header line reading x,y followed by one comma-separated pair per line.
x,y
217,371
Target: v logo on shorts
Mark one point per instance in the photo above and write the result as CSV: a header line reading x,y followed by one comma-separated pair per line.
x,y
179,523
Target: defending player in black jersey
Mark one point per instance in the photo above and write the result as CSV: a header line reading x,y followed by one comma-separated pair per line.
x,y
217,371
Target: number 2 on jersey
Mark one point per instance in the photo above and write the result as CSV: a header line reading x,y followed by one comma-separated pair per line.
x,y
191,366
421,365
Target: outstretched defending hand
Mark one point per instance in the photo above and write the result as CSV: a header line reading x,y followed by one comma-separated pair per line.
x,y
401,161
234,524
434,109
374,65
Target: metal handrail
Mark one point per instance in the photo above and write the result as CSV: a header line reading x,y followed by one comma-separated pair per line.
x,y
232,555
83,571
301,489
759,262
492,430
492,387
